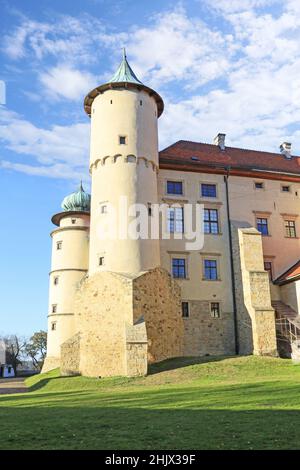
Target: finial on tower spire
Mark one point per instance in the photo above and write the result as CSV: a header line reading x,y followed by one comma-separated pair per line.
x,y
125,72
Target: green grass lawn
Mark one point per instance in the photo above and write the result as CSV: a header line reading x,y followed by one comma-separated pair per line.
x,y
209,403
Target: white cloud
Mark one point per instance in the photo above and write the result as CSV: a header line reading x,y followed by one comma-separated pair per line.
x,y
67,38
257,103
67,82
59,150
234,6
176,47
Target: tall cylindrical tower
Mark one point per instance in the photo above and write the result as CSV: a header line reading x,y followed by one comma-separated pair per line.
x,y
124,166
70,247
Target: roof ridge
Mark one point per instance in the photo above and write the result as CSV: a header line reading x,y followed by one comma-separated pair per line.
x,y
227,147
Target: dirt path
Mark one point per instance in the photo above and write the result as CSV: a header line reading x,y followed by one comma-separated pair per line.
x,y
14,385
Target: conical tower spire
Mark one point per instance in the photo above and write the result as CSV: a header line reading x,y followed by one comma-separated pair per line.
x,y
125,72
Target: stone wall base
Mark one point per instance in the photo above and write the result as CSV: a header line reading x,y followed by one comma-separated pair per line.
x,y
124,323
50,364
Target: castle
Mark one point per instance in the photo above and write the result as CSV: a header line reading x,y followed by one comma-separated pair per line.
x,y
118,304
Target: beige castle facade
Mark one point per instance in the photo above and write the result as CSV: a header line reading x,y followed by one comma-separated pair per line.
x,y
116,305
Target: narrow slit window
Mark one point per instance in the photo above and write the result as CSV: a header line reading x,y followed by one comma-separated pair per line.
x,y
101,261
185,309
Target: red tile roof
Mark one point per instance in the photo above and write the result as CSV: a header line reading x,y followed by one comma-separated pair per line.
x,y
290,275
188,155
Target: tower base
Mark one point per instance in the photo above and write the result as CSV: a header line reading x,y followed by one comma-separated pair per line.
x,y
124,323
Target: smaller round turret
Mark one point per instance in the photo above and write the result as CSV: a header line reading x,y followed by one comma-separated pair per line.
x,y
70,248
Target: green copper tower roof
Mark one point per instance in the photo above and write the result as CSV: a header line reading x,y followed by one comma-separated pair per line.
x,y
124,78
78,201
125,73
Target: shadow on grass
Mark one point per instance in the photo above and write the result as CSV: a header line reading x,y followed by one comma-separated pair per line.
x,y
179,362
114,428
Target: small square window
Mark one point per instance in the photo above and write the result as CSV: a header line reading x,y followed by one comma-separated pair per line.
x,y
58,245
103,209
185,309
208,190
56,280
73,221
258,185
215,309
53,326
285,189
54,308
101,261
174,187
122,140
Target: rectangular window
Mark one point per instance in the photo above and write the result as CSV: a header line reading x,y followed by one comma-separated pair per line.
x,y
210,269
103,209
53,326
54,308
122,140
215,309
56,280
290,228
285,189
101,261
58,245
73,221
185,309
174,187
268,268
258,185
262,226
211,222
149,209
178,268
175,219
208,190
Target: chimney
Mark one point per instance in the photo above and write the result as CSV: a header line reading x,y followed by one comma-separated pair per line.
x,y
220,141
285,149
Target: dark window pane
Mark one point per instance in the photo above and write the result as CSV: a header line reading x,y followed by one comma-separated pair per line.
x,y
178,268
211,223
185,309
262,226
268,267
174,187
210,269
209,190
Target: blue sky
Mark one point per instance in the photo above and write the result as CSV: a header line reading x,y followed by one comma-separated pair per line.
x,y
220,66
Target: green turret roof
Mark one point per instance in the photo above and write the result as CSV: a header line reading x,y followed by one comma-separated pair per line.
x,y
125,73
123,78
78,201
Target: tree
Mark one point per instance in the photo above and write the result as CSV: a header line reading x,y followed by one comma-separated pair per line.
x,y
15,346
35,348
